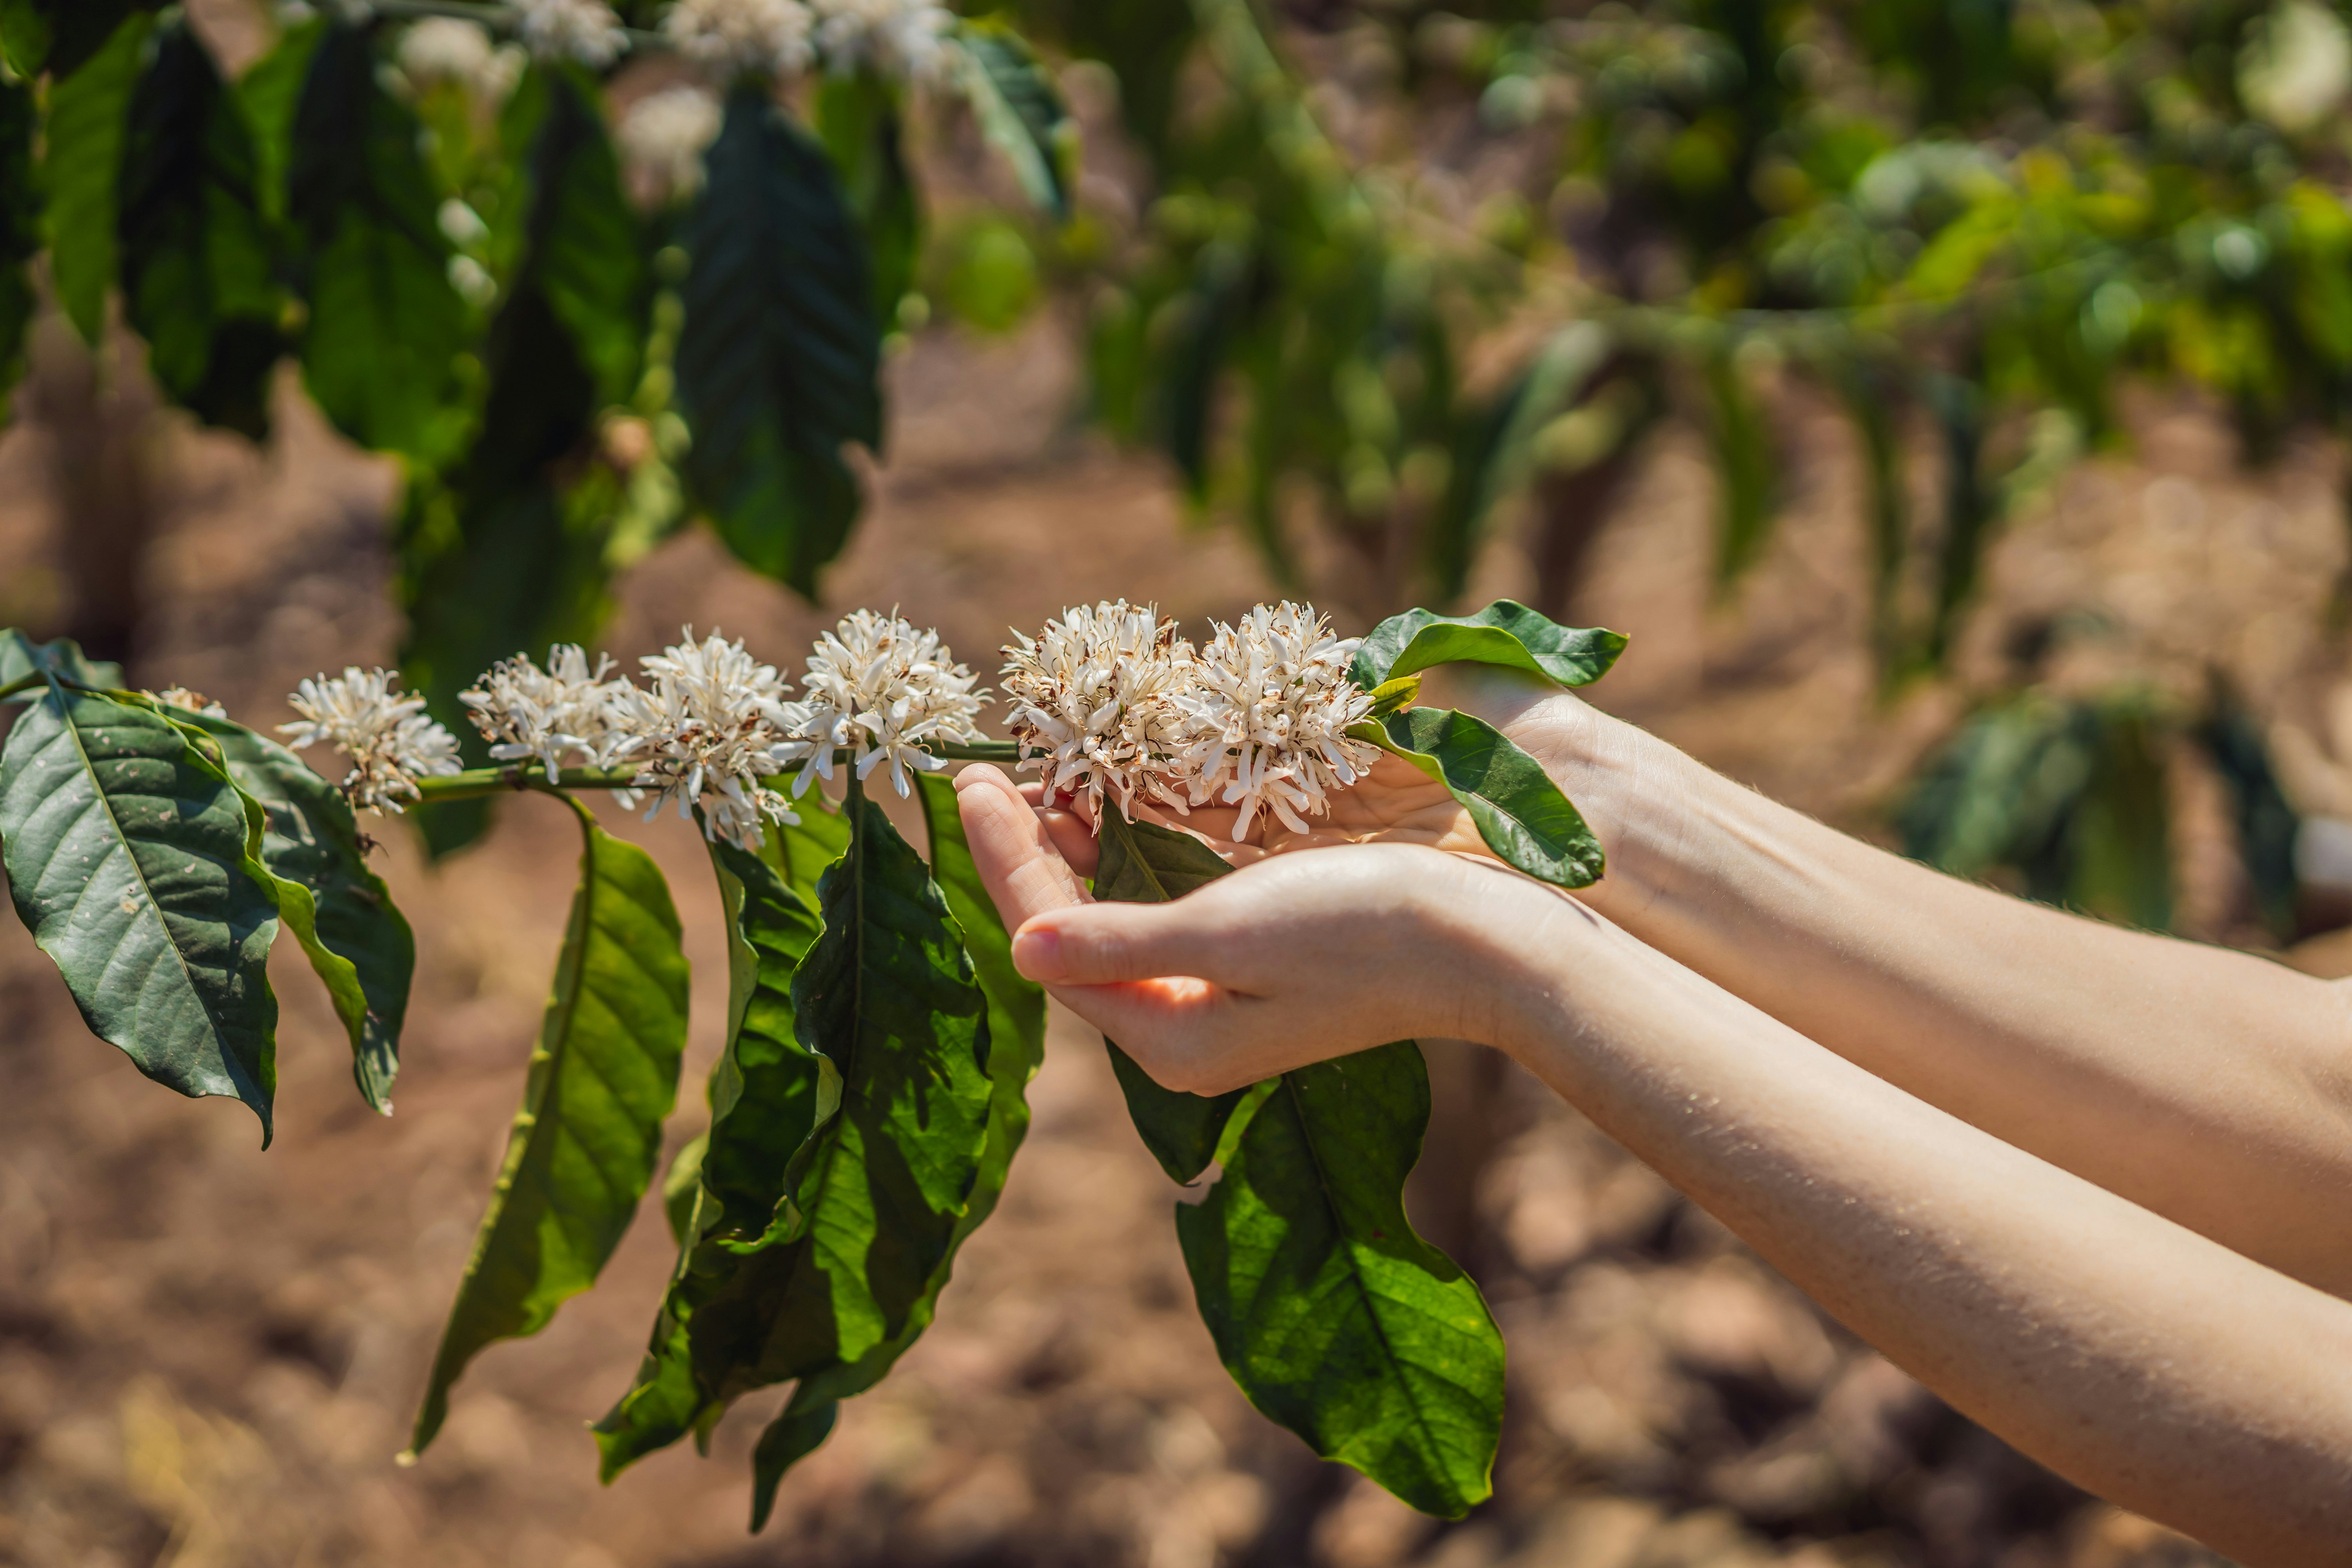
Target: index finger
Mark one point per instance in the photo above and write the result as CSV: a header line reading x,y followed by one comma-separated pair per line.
x,y
1018,864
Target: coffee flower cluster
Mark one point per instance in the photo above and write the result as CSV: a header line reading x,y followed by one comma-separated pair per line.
x,y
389,742
586,31
711,726
1109,703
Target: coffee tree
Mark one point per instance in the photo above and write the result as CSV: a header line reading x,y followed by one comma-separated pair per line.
x,y
584,273
869,1097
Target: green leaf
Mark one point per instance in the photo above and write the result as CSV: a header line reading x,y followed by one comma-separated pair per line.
x,y
1335,1319
271,91
601,1081
1746,467
380,355
61,35
356,939
500,562
81,165
198,268
20,656
1146,864
857,117
768,1093
682,1188
1504,633
1520,812
788,1439
125,850
20,230
779,355
849,1270
1020,112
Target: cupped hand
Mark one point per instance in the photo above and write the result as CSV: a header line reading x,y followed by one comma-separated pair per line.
x,y
1295,958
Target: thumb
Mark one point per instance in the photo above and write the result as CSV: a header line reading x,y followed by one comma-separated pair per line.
x,y
1107,944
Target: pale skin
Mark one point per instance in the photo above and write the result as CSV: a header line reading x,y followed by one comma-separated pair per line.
x,y
2092,1186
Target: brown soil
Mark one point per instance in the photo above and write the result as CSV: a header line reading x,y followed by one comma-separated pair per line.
x,y
208,1354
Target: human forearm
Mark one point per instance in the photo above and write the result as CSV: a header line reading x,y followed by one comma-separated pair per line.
x,y
2211,1087
2141,1360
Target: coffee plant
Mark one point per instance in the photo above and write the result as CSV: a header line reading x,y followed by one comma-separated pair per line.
x,y
869,1097
573,327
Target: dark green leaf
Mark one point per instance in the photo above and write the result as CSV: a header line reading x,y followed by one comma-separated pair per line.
x,y
271,92
198,280
1520,812
20,230
125,851
768,1093
584,245
789,1438
61,35
602,1080
20,656
81,166
2268,823
682,1188
1504,633
1971,506
1020,112
1870,393
849,1270
778,357
357,942
857,116
380,355
1337,1321
1146,864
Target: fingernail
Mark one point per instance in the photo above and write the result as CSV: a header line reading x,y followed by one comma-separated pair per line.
x,y
1038,954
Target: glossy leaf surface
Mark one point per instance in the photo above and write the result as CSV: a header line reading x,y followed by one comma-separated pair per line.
x,y
779,353
1143,863
1504,633
358,941
602,1080
1335,1319
125,853
1520,812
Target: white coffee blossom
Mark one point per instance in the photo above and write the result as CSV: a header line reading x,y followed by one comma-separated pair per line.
x,y
1094,703
189,701
585,31
900,38
878,688
663,137
567,712
387,737
737,38
713,728
1267,712
446,49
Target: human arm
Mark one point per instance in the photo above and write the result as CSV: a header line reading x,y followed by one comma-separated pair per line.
x,y
2212,1086
2142,1360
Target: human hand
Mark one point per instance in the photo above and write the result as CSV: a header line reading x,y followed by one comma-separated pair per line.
x,y
1294,959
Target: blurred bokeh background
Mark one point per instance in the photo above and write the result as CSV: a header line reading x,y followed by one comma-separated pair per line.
x,y
1947,396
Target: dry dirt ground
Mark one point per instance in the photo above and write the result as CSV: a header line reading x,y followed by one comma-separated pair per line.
x,y
208,1354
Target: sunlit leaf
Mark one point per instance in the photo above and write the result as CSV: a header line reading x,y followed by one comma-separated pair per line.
x,y
355,937
81,165
602,1080
1504,632
778,358
379,354
1519,811
125,851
